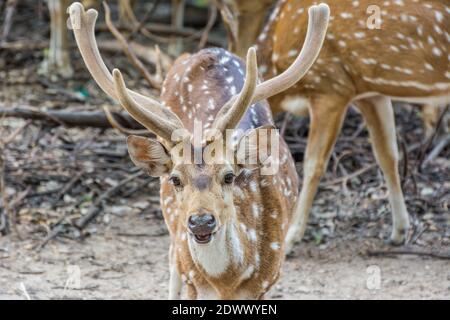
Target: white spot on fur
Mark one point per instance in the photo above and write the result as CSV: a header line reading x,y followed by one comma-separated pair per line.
x,y
275,246
253,186
252,235
257,260
293,53
238,192
296,104
394,48
437,52
429,66
439,16
236,246
247,274
167,200
256,210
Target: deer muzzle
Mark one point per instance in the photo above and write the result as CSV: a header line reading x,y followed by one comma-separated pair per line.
x,y
202,227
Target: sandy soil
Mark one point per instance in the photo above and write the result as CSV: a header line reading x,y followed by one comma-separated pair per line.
x,y
116,263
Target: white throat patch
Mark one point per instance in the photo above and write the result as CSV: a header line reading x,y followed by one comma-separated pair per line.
x,y
213,257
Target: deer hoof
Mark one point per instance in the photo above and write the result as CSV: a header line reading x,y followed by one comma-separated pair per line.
x,y
398,237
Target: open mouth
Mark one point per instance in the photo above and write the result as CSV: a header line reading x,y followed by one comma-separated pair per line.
x,y
203,238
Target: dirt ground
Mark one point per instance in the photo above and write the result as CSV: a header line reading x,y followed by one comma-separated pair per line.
x,y
122,253
127,259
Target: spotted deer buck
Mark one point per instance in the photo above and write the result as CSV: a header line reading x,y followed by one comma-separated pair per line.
x,y
227,220
406,59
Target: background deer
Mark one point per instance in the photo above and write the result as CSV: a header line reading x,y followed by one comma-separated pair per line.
x,y
227,222
244,21
407,59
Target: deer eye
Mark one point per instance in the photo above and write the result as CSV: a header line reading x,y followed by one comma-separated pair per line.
x,y
176,181
228,178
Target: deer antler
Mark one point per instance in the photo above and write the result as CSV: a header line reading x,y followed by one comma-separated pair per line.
x,y
149,112
229,118
317,27
157,124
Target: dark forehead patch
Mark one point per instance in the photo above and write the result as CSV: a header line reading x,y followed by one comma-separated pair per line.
x,y
202,181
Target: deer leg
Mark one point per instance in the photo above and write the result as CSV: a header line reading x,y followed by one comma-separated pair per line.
x,y
379,116
327,115
430,115
175,282
57,64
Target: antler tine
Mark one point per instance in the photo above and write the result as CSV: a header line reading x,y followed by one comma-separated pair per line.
x,y
317,27
147,111
230,115
160,126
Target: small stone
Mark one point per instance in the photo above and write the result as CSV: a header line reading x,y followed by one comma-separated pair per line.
x,y
119,210
141,204
427,191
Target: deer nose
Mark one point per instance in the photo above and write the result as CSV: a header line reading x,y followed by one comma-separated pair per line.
x,y
202,224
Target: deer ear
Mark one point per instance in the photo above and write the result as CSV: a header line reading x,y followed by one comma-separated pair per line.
x,y
149,155
258,147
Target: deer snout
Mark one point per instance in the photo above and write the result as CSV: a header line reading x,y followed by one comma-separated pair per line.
x,y
202,223
202,227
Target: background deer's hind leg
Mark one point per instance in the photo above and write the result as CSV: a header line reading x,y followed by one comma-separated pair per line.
x,y
327,114
379,116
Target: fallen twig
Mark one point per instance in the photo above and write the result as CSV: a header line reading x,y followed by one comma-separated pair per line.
x,y
408,251
9,14
93,211
427,145
437,149
95,208
350,176
185,32
145,53
116,125
96,119
68,186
